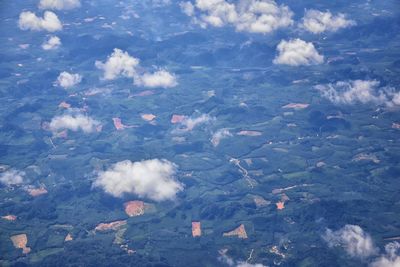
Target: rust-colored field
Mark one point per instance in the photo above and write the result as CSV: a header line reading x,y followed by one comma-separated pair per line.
x,y
9,217
35,192
240,232
148,117
177,118
134,208
196,229
20,241
110,226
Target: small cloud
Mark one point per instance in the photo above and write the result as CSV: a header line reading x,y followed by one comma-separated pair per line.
x,y
232,263
160,3
52,43
12,177
74,122
189,123
187,8
153,179
68,80
161,78
119,63
297,52
29,21
359,91
246,264
316,21
353,239
253,16
391,258
219,135
59,4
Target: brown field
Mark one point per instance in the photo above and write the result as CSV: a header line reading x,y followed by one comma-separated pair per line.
x,y
196,229
134,208
20,241
110,226
240,232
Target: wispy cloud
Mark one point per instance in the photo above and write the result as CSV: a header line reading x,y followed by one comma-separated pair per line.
x,y
12,177
391,258
187,124
353,239
59,4
225,259
359,91
219,135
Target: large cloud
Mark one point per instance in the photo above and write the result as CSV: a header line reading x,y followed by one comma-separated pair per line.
x,y
391,258
12,177
317,22
160,78
68,80
74,122
359,91
153,179
59,4
353,239
256,16
52,43
121,64
297,52
29,21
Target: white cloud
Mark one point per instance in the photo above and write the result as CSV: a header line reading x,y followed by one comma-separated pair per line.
x,y
160,78
297,52
353,239
52,43
219,135
74,122
316,21
246,264
153,179
359,91
232,263
160,3
256,16
68,80
12,177
187,8
359,244
29,21
391,258
189,123
59,4
119,63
